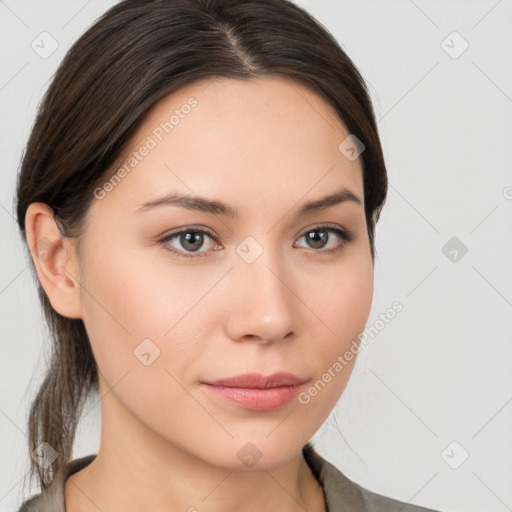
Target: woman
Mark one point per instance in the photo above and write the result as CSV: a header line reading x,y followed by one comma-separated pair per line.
x,y
199,195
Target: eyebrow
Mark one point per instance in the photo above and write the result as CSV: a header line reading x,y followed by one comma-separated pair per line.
x,y
215,207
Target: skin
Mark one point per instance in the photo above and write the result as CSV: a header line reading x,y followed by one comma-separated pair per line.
x,y
264,147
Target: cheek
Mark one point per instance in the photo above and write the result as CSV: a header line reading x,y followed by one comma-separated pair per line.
x,y
122,305
341,298
130,299
341,306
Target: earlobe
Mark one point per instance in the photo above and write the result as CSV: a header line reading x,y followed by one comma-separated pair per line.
x,y
54,260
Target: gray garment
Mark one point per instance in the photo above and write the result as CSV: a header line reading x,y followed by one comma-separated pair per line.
x,y
341,494
344,495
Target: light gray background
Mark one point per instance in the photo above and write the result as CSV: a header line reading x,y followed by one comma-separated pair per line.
x,y
440,371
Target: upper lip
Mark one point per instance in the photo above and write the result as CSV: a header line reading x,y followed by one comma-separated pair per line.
x,y
256,380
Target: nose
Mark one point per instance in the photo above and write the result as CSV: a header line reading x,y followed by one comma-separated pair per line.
x,y
262,306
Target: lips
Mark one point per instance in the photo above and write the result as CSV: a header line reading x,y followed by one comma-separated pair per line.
x,y
256,392
257,381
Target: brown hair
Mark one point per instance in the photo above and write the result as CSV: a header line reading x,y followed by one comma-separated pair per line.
x,y
137,53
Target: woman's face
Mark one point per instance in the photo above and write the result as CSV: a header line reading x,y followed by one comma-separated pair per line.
x,y
175,296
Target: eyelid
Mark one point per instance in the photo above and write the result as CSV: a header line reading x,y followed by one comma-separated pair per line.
x,y
327,225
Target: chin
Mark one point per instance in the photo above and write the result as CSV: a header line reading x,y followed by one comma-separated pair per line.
x,y
257,453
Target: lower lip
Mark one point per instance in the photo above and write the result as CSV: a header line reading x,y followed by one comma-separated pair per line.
x,y
255,399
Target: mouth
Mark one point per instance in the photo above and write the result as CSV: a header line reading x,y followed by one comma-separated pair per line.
x,y
257,392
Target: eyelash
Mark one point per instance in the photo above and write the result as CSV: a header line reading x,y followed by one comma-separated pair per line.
x,y
345,236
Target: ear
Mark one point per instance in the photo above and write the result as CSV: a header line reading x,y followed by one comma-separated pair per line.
x,y
54,259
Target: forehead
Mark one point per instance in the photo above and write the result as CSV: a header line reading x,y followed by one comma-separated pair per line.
x,y
258,140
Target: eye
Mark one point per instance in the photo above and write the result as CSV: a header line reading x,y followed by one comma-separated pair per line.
x,y
318,238
192,240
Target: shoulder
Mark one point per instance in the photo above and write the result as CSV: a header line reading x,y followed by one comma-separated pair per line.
x,y
52,499
344,495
